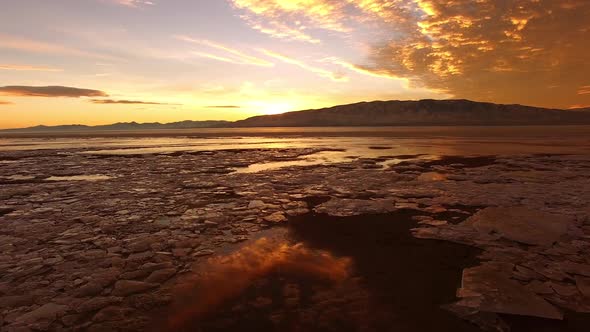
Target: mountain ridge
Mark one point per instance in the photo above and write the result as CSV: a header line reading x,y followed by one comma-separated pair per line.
x,y
426,112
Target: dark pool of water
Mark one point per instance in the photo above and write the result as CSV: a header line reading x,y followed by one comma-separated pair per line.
x,y
363,273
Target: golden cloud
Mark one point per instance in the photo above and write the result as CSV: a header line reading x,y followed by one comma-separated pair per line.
x,y
513,51
291,19
524,51
49,91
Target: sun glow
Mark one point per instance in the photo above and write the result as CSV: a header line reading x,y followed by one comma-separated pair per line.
x,y
269,108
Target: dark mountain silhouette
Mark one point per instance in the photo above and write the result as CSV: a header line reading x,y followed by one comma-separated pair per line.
x,y
125,126
422,112
377,113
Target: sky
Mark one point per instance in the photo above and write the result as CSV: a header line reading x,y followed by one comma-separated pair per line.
x,y
105,61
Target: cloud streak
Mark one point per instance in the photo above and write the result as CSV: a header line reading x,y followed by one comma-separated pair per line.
x,y
233,55
36,46
133,3
365,70
316,70
223,106
28,68
49,91
3,102
128,102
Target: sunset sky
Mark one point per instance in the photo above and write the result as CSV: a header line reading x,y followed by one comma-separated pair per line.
x,y
105,61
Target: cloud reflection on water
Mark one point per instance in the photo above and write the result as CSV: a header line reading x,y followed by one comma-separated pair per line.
x,y
224,278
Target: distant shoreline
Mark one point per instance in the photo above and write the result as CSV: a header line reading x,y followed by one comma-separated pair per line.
x,y
317,131
394,113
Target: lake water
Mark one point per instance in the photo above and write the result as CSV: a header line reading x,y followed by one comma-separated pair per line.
x,y
517,139
338,144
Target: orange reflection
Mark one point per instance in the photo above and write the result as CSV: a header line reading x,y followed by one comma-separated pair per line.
x,y
226,277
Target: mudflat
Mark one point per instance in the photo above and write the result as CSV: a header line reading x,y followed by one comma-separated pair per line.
x,y
460,229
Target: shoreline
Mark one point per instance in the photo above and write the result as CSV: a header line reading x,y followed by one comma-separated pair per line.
x,y
347,131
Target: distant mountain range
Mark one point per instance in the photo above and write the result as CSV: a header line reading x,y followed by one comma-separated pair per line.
x,y
377,113
421,113
124,126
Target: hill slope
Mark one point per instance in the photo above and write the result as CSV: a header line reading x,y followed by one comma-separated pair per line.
x,y
423,112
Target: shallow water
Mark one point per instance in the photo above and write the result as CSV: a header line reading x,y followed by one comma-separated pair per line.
x,y
93,177
383,140
387,143
309,277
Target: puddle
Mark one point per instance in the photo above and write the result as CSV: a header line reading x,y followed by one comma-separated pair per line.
x,y
327,158
364,273
94,177
19,177
251,268
320,158
432,176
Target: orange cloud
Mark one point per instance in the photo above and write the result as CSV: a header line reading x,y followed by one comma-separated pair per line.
x,y
502,51
2,102
49,91
480,50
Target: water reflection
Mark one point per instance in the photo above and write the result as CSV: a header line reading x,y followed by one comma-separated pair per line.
x,y
92,177
362,273
432,176
224,278
19,177
358,141
320,158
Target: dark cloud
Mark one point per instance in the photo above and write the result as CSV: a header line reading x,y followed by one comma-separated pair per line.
x,y
224,106
111,101
511,51
50,91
